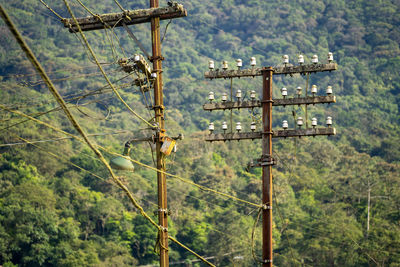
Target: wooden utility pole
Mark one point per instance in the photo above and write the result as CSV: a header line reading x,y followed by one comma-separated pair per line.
x,y
267,102
152,15
266,163
159,115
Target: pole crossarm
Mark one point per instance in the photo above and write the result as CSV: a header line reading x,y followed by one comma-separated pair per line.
x,y
129,17
278,70
232,105
276,102
275,134
304,132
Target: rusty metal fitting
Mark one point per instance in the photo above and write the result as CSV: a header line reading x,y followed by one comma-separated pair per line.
x,y
156,58
158,107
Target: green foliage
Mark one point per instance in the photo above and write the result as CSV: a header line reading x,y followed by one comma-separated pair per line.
x,y
55,214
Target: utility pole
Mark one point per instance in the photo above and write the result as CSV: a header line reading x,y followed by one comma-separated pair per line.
x,y
267,102
159,115
267,167
129,17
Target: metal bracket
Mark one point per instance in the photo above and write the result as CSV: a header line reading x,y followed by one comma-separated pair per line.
x,y
265,160
165,211
271,132
161,135
156,58
158,107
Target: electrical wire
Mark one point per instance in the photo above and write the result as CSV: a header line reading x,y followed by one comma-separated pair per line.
x,y
101,178
165,31
38,114
34,61
70,78
37,65
76,125
104,74
282,219
106,26
353,213
57,139
253,253
90,116
119,183
49,8
27,142
119,5
185,180
208,226
18,75
190,196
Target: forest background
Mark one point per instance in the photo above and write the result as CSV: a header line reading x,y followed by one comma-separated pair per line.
x,y
55,214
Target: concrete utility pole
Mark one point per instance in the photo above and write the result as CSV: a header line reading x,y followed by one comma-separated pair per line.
x,y
266,161
152,15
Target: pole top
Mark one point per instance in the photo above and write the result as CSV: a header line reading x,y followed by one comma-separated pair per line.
x,y
266,69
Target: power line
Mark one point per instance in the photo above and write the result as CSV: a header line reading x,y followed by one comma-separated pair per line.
x,y
54,91
106,77
293,223
193,197
101,178
19,75
353,214
286,235
49,8
70,78
190,182
68,98
204,188
38,114
58,139
60,100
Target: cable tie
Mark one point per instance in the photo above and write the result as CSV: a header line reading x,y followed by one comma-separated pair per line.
x,y
267,261
266,207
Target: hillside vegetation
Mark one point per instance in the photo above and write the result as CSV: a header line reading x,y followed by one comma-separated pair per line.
x,y
59,207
